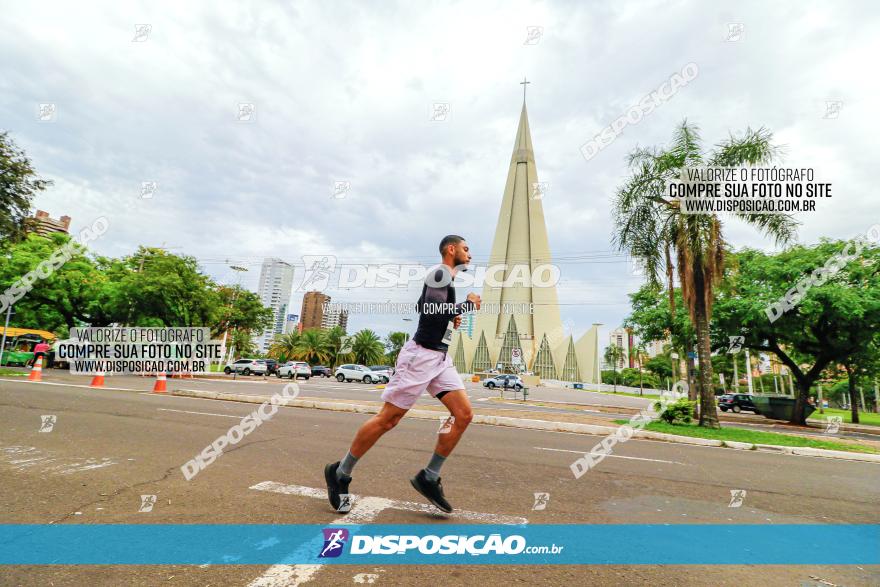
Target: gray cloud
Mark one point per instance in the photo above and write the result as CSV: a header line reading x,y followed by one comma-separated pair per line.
x,y
343,91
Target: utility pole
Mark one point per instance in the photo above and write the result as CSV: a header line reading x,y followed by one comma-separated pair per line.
x,y
597,325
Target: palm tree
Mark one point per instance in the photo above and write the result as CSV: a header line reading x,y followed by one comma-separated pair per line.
x,y
283,348
613,355
652,228
637,352
242,344
367,347
313,347
395,342
336,340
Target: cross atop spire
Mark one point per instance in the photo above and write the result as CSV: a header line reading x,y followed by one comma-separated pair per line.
x,y
523,84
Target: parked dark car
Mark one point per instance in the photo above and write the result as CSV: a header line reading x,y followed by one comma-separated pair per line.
x,y
737,402
321,371
271,366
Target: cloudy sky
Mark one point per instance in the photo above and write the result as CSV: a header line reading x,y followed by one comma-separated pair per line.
x,y
345,92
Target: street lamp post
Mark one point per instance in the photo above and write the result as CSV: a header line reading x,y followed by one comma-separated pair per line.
x,y
735,375
749,371
598,363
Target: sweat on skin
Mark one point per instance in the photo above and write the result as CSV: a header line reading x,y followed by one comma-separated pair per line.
x,y
235,434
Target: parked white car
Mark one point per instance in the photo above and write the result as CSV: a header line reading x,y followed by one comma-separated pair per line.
x,y
356,373
246,367
294,370
383,371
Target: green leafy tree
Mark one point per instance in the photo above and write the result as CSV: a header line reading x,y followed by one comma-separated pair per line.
x,y
660,366
652,228
653,318
19,183
832,321
236,308
637,354
157,288
71,295
395,342
859,365
367,347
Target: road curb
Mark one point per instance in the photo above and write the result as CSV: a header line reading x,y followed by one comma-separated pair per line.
x,y
529,424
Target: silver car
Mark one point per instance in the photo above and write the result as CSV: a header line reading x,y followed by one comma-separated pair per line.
x,y
357,373
505,381
247,366
294,370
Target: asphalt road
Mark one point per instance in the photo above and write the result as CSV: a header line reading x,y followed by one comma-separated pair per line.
x,y
107,448
561,401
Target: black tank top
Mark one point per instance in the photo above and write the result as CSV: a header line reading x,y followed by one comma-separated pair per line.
x,y
436,307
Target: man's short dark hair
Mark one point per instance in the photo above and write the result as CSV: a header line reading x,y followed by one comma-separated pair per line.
x,y
449,239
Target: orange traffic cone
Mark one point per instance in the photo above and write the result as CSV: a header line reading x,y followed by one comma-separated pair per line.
x,y
160,383
36,371
98,380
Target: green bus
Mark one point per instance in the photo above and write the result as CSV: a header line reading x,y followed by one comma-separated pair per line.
x,y
20,343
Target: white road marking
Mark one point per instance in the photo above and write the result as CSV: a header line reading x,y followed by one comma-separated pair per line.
x,y
364,510
199,413
409,506
581,452
35,457
68,385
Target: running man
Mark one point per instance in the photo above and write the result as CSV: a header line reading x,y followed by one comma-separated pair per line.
x,y
421,365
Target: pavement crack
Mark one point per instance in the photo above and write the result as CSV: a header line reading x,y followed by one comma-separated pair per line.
x,y
116,493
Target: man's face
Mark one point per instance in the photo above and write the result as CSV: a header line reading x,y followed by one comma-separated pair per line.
x,y
461,255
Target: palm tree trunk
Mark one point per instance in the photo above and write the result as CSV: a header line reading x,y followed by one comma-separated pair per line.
x,y
708,411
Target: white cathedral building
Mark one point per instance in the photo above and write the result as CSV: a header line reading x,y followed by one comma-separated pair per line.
x,y
533,341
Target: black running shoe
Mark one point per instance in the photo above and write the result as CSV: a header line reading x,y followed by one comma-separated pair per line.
x,y
335,485
432,490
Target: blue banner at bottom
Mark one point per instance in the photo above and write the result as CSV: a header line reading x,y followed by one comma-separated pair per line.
x,y
565,544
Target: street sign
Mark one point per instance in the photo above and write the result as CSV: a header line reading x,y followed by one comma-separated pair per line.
x,y
516,356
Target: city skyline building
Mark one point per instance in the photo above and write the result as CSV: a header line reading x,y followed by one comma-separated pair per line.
x,y
275,288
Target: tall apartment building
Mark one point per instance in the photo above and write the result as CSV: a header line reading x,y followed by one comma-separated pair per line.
x,y
312,313
276,285
291,324
655,347
621,338
335,317
42,224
